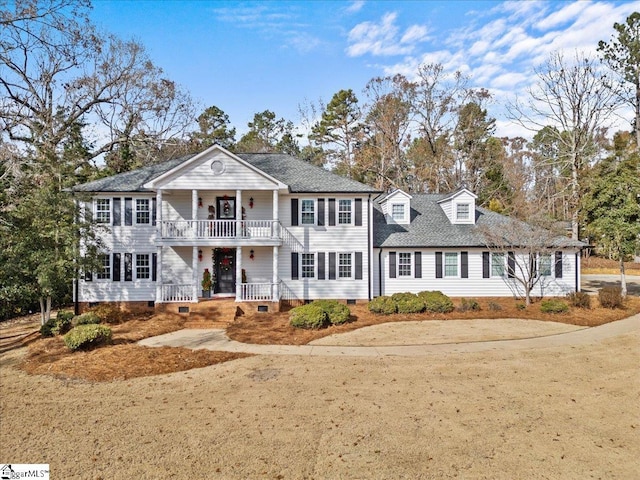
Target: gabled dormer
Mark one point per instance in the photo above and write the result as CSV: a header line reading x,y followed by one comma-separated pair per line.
x,y
460,207
396,207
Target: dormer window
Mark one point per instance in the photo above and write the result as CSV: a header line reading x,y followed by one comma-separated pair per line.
x,y
462,211
397,212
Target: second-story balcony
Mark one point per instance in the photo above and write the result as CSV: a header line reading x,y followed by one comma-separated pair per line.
x,y
221,232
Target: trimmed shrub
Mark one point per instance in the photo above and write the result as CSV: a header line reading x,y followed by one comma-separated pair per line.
x,y
553,306
579,300
57,326
383,306
436,302
88,318
337,312
108,313
408,302
611,297
469,305
87,336
308,316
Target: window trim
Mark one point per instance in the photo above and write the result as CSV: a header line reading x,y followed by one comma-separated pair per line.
x,y
312,266
98,211
444,264
402,267
351,266
349,212
468,212
393,214
137,266
139,211
302,212
493,264
104,273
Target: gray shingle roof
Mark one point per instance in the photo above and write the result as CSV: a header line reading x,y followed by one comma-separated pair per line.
x,y
430,227
300,176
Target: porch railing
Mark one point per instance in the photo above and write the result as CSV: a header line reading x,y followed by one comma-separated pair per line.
x,y
203,229
172,293
255,292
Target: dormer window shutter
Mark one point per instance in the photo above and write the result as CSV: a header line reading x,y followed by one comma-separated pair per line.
x,y
294,212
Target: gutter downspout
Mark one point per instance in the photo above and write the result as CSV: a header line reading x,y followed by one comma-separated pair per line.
x,y
370,245
380,272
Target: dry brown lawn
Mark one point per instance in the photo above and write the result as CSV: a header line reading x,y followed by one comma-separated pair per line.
x,y
593,265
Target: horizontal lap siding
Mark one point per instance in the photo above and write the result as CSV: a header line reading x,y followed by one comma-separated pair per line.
x,y
474,286
260,269
110,291
176,265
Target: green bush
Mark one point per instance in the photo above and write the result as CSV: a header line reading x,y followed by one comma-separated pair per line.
x,y
553,306
88,318
338,313
579,299
408,302
87,336
436,302
469,305
383,305
521,306
59,325
108,313
308,316
611,297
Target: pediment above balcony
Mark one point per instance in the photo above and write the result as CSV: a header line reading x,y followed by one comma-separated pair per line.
x,y
215,169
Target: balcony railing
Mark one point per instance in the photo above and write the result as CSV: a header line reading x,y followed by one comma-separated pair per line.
x,y
211,229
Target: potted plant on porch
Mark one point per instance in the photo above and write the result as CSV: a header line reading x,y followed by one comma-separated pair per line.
x,y
206,284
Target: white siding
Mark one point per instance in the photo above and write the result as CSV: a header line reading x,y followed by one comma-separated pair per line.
x,y
176,265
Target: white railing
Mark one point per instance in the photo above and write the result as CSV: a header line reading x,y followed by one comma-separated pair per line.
x,y
177,293
203,229
255,292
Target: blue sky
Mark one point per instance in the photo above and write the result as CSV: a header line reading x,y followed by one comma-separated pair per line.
x,y
246,57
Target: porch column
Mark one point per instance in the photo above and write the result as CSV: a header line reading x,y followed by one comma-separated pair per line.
x,y
195,279
159,213
275,229
239,274
194,213
159,273
276,286
238,204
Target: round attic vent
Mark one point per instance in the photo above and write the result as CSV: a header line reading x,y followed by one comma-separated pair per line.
x,y
218,167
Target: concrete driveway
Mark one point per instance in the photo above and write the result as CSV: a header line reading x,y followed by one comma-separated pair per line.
x,y
592,283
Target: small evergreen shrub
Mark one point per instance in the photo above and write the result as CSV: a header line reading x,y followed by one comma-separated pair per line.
x,y
553,306
383,306
469,305
337,312
87,336
408,302
521,306
308,316
108,313
579,300
88,318
59,325
495,307
611,297
436,302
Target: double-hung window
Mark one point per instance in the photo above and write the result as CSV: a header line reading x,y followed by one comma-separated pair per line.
x,y
344,212
450,264
404,264
397,212
344,265
103,210
308,265
104,269
142,210
462,211
545,265
143,267
497,264
307,212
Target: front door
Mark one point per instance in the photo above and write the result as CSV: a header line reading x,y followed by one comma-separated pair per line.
x,y
225,267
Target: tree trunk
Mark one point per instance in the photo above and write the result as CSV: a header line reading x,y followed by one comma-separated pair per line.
x,y
623,279
45,309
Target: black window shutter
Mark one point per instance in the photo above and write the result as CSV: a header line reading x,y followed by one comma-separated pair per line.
x,y
294,266
486,272
558,262
321,273
88,276
438,264
154,211
332,211
332,265
418,264
532,265
392,264
320,212
358,212
154,267
464,264
294,212
128,267
115,274
128,214
511,264
358,265
116,212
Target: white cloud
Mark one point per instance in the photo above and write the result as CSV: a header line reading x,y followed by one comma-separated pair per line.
x,y
415,33
383,39
568,13
355,6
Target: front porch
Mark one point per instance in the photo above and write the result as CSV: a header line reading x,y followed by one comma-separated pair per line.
x,y
248,292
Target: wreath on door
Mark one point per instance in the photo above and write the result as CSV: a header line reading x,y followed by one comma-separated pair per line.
x,y
226,258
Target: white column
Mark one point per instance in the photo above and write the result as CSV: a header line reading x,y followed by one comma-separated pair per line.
x,y
159,274
195,279
194,213
159,213
275,275
238,204
238,274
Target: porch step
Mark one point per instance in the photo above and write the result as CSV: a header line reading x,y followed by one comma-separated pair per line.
x,y
215,313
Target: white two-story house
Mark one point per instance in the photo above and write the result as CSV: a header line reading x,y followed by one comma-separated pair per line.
x,y
270,227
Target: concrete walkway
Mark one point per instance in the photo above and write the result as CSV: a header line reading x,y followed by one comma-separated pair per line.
x,y
216,339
